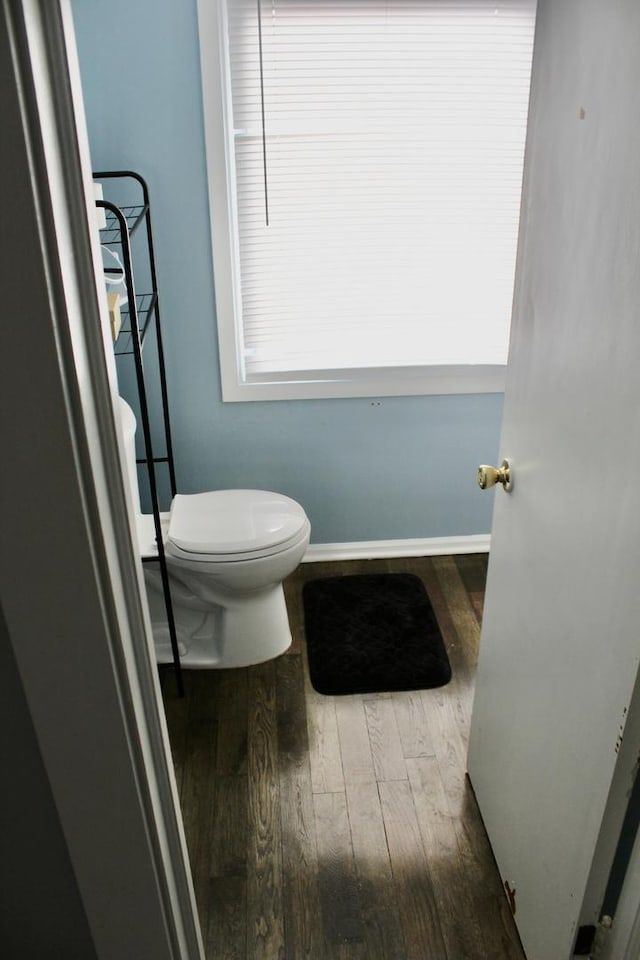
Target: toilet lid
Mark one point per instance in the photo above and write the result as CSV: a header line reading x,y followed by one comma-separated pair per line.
x,y
233,521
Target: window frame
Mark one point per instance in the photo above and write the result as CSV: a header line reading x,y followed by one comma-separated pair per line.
x,y
316,384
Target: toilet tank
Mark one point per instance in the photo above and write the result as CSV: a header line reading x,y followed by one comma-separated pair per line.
x,y
128,424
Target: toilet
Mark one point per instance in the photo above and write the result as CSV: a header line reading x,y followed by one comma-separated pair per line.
x,y
227,553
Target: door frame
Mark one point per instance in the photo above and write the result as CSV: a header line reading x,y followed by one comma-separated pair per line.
x,y
70,583
623,941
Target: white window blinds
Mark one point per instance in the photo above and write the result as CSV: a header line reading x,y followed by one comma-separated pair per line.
x,y
378,152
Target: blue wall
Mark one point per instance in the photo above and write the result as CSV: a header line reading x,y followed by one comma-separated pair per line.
x,y
363,469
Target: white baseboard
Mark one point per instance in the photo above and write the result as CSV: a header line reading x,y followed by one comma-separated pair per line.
x,y
386,549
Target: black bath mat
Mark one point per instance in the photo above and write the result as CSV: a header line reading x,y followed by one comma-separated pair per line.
x,y
372,633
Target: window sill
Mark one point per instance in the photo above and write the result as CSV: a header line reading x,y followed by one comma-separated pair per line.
x,y
397,382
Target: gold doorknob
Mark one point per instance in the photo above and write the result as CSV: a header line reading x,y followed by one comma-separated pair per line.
x,y
490,476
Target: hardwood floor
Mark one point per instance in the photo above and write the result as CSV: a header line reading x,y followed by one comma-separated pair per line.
x,y
340,828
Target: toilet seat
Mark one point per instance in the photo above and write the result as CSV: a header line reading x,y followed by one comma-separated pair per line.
x,y
233,525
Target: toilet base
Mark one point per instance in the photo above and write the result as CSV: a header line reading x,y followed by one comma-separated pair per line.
x,y
243,632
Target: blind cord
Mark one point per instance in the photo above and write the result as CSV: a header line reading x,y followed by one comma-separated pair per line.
x,y
264,138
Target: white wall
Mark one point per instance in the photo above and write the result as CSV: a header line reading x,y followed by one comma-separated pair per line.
x,y
41,912
80,762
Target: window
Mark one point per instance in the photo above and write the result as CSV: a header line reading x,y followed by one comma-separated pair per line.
x,y
365,165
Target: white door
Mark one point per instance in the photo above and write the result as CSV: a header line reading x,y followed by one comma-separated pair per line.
x,y
561,637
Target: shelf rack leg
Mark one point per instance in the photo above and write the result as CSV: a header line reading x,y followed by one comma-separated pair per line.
x,y
161,365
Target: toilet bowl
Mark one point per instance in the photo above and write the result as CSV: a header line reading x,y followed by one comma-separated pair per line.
x,y
227,553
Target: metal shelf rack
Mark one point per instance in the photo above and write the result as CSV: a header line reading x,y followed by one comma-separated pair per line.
x,y
140,317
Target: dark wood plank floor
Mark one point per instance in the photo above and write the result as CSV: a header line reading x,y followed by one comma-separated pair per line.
x,y
340,828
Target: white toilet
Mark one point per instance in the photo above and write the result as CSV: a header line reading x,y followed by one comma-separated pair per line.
x,y
227,553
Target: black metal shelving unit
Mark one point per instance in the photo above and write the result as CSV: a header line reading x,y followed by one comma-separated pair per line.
x,y
142,314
